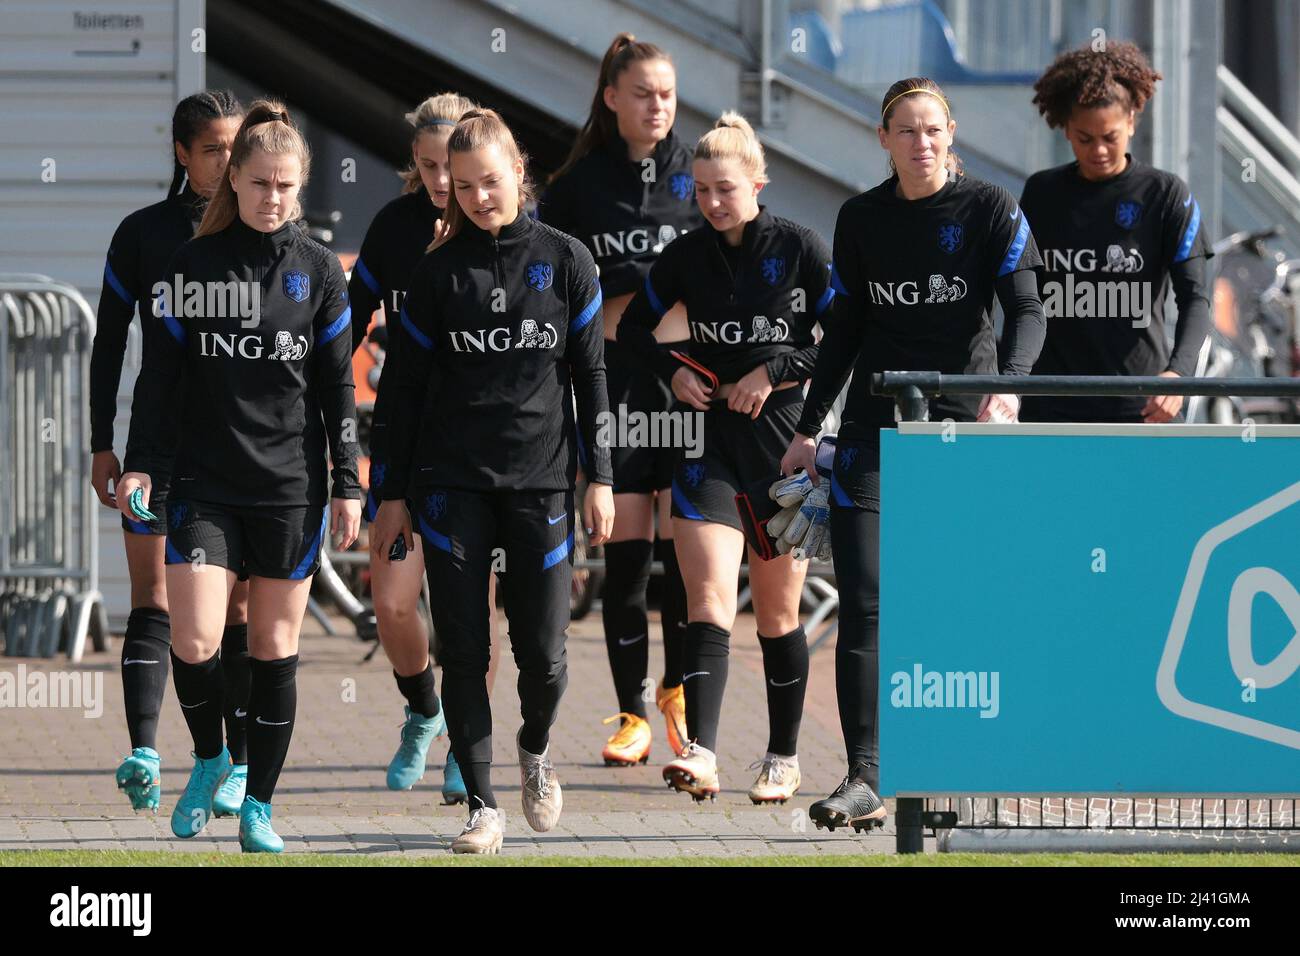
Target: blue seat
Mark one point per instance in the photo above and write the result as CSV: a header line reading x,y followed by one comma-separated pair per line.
x,y
823,50
907,39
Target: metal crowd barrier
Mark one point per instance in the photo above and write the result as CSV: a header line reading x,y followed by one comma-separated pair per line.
x,y
49,563
1060,822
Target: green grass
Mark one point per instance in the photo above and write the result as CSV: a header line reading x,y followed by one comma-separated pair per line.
x,y
138,858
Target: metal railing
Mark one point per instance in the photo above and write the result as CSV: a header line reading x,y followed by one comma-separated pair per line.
x,y
49,571
914,815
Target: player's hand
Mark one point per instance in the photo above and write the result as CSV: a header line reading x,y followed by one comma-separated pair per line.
x,y
345,522
999,409
105,468
127,484
1162,408
598,513
802,454
392,522
748,395
691,388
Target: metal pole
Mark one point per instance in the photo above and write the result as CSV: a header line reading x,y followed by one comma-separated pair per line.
x,y
910,837
765,68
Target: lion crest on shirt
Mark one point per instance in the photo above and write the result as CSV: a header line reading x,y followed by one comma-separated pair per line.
x,y
942,291
286,350
1117,260
532,337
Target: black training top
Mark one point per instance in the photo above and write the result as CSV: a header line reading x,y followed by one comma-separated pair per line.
x,y
254,398
914,283
1110,250
137,260
395,242
499,336
746,306
624,211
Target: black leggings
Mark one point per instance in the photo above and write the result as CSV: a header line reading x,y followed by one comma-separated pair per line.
x,y
855,537
855,542
462,531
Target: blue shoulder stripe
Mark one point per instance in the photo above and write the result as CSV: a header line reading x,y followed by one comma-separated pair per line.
x,y
1017,247
331,331
836,284
659,307
117,286
1189,237
371,282
587,314
825,301
175,328
421,339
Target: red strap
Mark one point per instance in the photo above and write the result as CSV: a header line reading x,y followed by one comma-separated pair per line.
x,y
757,534
691,363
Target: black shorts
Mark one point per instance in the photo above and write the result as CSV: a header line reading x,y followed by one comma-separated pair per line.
x,y
738,452
157,505
269,542
640,470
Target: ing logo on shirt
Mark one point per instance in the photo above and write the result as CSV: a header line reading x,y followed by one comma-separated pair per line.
x,y
682,185
435,506
539,276
1117,260
1128,212
951,236
176,514
231,345
772,269
847,456
297,285
941,291
693,475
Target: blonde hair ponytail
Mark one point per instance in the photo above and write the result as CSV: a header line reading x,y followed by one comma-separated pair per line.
x,y
733,138
442,111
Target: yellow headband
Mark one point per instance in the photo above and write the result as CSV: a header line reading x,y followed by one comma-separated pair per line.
x,y
946,112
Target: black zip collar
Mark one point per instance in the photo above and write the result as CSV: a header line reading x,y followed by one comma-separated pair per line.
x,y
425,203
245,236
760,225
618,150
512,233
193,204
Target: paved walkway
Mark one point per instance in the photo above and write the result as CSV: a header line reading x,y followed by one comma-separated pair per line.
x,y
57,789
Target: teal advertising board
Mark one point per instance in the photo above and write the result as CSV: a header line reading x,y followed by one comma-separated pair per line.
x,y
1090,609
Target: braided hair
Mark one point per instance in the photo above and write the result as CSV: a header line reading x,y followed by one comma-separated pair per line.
x,y
191,116
1117,74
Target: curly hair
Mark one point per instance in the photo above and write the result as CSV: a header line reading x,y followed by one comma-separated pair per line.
x,y
1119,73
